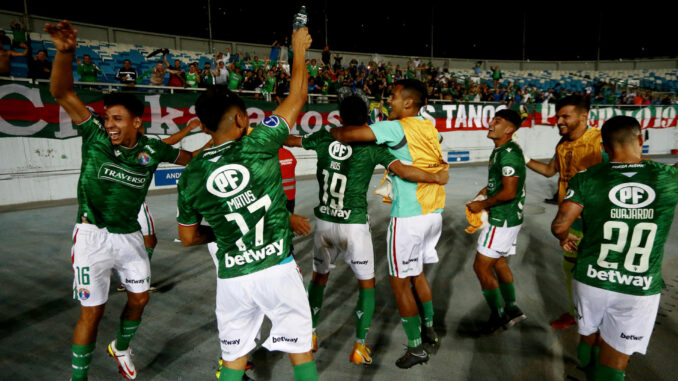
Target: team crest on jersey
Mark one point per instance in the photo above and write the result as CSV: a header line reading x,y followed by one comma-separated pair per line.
x,y
83,294
508,171
339,151
144,158
632,195
272,121
228,180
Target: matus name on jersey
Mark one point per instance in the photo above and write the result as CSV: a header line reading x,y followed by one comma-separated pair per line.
x,y
614,276
250,255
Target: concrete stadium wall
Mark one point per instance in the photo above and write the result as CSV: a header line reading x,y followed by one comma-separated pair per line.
x,y
110,34
39,169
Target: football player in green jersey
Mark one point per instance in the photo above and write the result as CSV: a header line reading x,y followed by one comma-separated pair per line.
x,y
627,206
117,168
344,173
503,197
236,186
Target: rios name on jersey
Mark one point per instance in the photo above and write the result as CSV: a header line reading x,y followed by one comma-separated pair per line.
x,y
344,173
628,211
507,160
237,188
114,179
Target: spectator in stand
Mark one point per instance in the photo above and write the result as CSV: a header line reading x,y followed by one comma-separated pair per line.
x,y
87,71
337,61
313,68
282,86
6,57
158,73
326,56
225,57
257,64
4,39
496,76
21,38
284,51
127,75
235,79
207,77
275,52
177,76
221,74
39,66
192,77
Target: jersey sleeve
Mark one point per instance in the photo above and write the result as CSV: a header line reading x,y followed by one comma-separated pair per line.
x,y
164,151
574,190
388,132
383,156
268,136
512,163
186,215
90,126
310,142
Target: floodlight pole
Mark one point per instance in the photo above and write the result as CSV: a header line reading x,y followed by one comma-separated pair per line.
x,y
209,25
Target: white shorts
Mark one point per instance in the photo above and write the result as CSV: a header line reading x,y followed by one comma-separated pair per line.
x,y
411,242
497,242
625,321
145,220
354,241
96,252
277,292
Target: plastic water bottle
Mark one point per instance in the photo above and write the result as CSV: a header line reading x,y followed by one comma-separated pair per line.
x,y
300,19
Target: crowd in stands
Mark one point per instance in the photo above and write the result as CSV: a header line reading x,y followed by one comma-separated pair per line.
x,y
268,78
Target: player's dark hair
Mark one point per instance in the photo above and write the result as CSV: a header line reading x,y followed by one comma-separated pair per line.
x,y
511,116
214,103
353,111
580,103
620,130
128,101
415,89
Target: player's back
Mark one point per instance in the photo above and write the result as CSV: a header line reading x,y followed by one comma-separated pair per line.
x,y
344,173
628,212
237,188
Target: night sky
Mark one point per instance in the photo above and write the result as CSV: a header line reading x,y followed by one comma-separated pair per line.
x,y
477,29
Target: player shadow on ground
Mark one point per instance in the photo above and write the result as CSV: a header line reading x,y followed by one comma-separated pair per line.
x,y
44,311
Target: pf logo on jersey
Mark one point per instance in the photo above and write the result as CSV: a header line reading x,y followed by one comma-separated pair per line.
x,y
272,121
228,180
632,195
508,171
339,151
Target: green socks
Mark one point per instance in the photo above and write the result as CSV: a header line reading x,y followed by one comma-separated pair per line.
x,y
493,299
228,374
604,373
428,313
305,372
126,332
315,299
568,267
508,292
584,354
364,311
149,250
81,357
412,327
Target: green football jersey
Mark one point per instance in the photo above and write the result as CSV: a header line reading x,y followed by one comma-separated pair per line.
x,y
344,173
506,160
628,211
114,179
234,80
237,188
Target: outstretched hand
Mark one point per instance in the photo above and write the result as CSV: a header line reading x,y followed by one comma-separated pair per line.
x,y
300,224
63,36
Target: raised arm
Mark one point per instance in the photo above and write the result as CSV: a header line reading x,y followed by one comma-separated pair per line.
x,y
63,37
417,175
351,134
291,107
178,136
